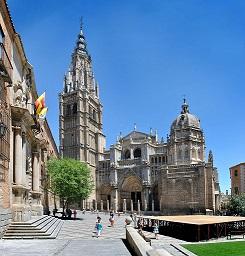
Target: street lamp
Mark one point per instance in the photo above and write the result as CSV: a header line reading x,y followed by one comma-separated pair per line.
x,y
3,129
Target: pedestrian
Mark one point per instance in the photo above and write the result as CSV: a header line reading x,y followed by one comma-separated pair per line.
x,y
112,219
75,214
54,211
155,230
98,227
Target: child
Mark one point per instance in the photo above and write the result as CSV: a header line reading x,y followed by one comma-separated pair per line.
x,y
112,220
155,229
98,227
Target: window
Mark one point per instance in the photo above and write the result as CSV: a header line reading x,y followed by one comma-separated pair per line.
x,y
186,154
1,35
179,154
235,173
236,190
68,110
94,115
74,108
127,154
137,153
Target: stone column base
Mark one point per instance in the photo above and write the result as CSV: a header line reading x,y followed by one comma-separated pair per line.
x,y
36,206
21,212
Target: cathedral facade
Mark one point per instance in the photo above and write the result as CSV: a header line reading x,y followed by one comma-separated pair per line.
x,y
138,171
141,173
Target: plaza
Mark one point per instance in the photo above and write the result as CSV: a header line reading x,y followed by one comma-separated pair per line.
x,y
167,172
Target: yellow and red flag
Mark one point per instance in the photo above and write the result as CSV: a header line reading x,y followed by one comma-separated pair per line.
x,y
43,113
40,104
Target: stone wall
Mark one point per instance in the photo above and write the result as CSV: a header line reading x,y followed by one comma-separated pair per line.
x,y
5,219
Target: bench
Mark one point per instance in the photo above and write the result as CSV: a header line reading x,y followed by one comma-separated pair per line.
x,y
235,232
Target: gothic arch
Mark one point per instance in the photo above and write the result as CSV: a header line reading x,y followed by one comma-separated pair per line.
x,y
127,154
131,183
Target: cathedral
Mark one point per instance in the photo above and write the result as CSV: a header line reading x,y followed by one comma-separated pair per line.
x,y
138,172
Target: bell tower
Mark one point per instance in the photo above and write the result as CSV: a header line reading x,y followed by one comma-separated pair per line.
x,y
80,116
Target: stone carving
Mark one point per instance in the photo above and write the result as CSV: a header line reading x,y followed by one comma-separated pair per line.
x,y
21,94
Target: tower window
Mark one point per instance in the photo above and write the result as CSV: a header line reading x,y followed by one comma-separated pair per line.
x,y
186,154
74,108
94,115
68,110
235,173
137,153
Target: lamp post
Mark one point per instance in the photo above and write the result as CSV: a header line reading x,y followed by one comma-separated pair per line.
x,y
3,129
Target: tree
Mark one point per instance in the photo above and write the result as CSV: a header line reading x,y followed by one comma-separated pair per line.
x,y
69,179
237,205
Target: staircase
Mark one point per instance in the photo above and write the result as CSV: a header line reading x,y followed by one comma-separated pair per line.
x,y
44,227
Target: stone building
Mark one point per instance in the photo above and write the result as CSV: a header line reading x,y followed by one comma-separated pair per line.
x,y
81,135
26,144
237,176
172,177
137,171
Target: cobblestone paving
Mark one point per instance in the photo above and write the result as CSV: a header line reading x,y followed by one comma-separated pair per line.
x,y
75,238
83,228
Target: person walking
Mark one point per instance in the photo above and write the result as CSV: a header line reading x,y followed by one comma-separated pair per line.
x,y
112,219
98,227
75,214
155,230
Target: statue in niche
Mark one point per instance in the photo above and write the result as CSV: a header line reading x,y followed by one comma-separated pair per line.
x,y
21,94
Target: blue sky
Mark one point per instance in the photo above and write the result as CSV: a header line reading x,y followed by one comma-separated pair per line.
x,y
146,55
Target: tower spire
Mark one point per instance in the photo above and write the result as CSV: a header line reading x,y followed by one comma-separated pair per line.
x,y
81,45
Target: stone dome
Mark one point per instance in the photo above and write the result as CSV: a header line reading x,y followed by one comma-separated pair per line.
x,y
185,119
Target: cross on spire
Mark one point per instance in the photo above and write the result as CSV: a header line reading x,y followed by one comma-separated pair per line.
x,y
81,22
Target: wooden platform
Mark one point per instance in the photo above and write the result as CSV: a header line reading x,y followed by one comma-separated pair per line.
x,y
194,227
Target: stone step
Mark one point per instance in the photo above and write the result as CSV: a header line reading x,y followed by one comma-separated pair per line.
x,y
47,228
43,226
35,221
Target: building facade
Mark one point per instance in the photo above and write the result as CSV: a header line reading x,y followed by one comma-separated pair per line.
x,y
237,176
26,143
139,172
81,135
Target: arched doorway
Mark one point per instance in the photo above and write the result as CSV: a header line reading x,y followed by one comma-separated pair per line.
x,y
131,189
105,194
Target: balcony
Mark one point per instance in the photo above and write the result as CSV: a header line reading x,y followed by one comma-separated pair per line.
x,y
129,162
5,65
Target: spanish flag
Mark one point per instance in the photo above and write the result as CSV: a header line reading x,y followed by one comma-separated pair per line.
x,y
43,113
40,104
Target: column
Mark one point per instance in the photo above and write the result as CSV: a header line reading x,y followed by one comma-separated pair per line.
x,y
45,181
96,206
145,205
146,198
132,205
114,195
124,205
24,159
108,205
35,172
138,207
152,206
18,155
101,205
